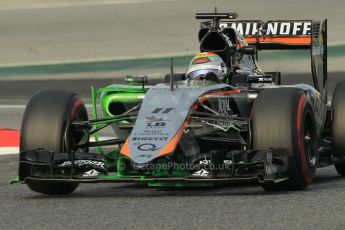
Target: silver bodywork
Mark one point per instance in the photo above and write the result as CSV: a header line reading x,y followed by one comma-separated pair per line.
x,y
161,116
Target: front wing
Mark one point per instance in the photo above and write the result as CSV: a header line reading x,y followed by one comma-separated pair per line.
x,y
268,166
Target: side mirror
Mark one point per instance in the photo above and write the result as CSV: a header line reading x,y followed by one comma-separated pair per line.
x,y
135,80
248,50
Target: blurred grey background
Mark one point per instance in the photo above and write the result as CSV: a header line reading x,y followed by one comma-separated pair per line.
x,y
64,31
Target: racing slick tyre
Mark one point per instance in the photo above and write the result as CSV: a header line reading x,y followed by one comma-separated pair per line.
x,y
283,118
338,125
44,125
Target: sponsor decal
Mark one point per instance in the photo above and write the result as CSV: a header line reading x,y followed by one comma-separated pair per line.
x,y
202,172
80,163
148,133
205,162
162,110
154,128
155,121
264,79
148,147
91,173
223,125
152,133
278,28
224,107
150,138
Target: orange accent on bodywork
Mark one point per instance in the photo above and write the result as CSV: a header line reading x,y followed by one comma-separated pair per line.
x,y
173,143
219,92
125,149
302,40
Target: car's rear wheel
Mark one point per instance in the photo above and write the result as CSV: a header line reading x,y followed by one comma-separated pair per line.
x,y
283,118
338,125
44,125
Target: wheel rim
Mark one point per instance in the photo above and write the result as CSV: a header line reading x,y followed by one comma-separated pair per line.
x,y
73,136
308,136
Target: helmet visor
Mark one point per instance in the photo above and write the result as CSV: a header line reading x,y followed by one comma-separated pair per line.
x,y
197,74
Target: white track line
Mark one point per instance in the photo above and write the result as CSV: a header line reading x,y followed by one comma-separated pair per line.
x,y
9,150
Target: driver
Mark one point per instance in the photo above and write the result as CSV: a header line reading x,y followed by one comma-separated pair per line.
x,y
207,66
210,66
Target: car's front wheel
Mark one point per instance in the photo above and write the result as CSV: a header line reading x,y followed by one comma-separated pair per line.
x,y
44,126
283,118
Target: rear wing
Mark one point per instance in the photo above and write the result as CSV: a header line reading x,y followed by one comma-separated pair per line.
x,y
279,34
285,34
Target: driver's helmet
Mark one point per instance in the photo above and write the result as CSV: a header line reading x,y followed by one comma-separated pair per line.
x,y
205,64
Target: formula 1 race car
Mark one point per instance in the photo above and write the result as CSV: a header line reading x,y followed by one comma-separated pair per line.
x,y
186,133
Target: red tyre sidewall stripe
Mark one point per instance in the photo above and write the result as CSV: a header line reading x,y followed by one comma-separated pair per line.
x,y
76,104
304,166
